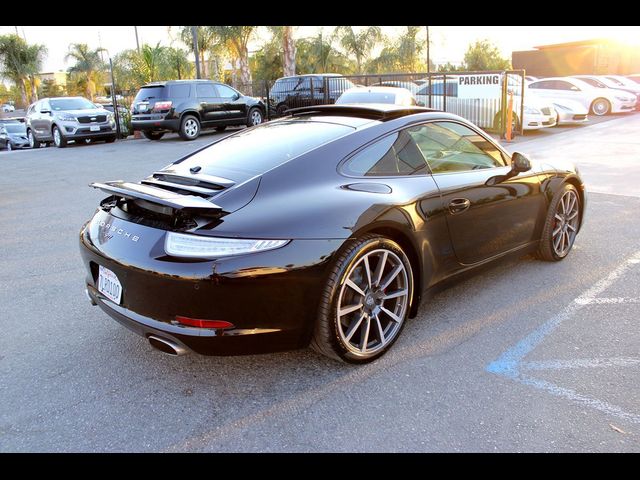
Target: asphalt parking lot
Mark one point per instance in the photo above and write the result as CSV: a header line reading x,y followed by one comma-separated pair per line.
x,y
525,356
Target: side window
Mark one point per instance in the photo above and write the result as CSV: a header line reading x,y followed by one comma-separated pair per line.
x,y
305,84
206,90
544,85
318,84
393,156
225,91
452,147
561,85
180,90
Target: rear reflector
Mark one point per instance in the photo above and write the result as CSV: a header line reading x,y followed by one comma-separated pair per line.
x,y
162,106
196,322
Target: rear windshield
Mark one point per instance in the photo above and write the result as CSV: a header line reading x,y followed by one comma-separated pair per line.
x,y
71,104
366,97
151,93
255,151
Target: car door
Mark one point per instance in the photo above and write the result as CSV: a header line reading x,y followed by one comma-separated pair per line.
x,y
45,120
233,105
301,95
487,213
210,104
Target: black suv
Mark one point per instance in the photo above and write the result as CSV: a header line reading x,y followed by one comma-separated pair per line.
x,y
187,106
306,90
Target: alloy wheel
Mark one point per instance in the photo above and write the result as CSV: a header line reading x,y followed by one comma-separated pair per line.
x,y
256,118
32,141
56,137
372,302
9,146
191,127
566,223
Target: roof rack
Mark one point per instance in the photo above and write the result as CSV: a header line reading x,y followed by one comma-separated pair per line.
x,y
374,111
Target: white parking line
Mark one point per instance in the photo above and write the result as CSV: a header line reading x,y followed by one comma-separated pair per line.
x,y
612,300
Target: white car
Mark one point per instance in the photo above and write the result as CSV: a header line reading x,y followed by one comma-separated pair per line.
x,y
610,82
393,95
6,108
600,101
486,113
569,112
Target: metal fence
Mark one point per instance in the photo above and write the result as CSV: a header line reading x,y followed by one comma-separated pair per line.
x,y
446,91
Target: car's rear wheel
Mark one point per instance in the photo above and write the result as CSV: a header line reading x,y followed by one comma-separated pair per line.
x,y
600,106
58,139
9,146
33,141
561,225
365,302
255,117
280,109
152,135
189,128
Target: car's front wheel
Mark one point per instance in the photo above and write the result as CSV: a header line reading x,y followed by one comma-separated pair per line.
x,y
255,117
58,139
9,146
33,141
600,106
561,225
189,128
365,302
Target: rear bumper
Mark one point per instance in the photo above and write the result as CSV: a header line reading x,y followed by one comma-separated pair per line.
x,y
156,124
271,298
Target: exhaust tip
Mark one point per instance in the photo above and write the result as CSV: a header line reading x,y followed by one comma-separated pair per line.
x,y
166,346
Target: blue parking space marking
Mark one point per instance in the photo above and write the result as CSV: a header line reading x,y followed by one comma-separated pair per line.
x,y
511,363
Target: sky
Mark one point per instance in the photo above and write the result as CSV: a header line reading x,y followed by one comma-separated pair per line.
x,y
448,43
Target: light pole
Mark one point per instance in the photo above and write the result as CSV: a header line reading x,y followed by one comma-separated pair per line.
x,y
114,100
137,42
428,62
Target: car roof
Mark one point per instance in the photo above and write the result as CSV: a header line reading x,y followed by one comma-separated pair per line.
x,y
377,89
373,111
313,75
164,83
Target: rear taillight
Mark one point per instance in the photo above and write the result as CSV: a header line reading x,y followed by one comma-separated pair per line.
x,y
199,323
162,106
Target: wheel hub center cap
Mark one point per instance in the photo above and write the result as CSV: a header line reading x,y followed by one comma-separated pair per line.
x,y
369,301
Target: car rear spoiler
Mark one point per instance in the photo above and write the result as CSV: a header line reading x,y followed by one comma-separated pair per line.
x,y
158,196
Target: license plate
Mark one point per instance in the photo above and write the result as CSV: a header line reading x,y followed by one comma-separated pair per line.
x,y
94,128
142,107
109,285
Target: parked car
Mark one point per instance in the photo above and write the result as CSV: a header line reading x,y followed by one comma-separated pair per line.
x,y
570,112
61,120
411,86
538,112
393,95
635,77
188,106
598,100
304,90
602,81
13,135
326,227
124,117
7,108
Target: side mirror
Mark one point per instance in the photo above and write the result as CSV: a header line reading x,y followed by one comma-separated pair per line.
x,y
520,163
235,97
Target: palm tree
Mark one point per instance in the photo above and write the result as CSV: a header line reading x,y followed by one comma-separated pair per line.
x,y
236,38
151,61
359,44
20,62
206,44
177,63
88,65
400,55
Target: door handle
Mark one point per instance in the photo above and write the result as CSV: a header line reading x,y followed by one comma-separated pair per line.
x,y
459,205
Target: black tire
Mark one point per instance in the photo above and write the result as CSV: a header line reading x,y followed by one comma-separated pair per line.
x,y
152,135
189,128
600,107
546,250
280,109
110,139
515,123
33,141
254,117
327,338
58,139
221,128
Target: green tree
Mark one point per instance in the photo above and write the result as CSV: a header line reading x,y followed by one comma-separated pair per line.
x,y
483,55
267,63
359,44
206,45
88,70
318,55
401,55
177,64
20,63
236,39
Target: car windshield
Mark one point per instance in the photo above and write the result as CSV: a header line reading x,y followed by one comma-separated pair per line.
x,y
257,150
71,104
366,97
15,128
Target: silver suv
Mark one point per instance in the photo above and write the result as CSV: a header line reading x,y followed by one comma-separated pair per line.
x,y
64,119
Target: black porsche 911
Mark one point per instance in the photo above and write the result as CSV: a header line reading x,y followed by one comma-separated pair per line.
x,y
325,227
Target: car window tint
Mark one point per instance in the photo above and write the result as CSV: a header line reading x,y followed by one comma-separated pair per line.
x,y
206,90
452,147
225,92
305,84
394,155
180,91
